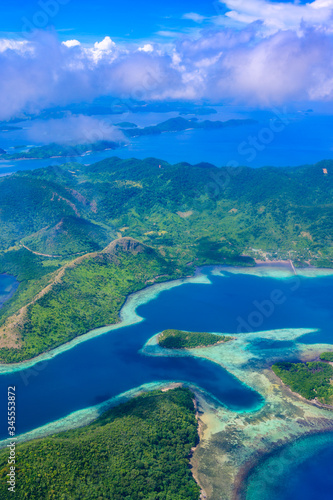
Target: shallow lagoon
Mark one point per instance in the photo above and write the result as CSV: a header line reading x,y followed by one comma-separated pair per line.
x,y
229,301
105,366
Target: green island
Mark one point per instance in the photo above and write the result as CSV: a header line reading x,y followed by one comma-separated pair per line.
x,y
177,339
311,380
178,124
137,450
56,225
57,150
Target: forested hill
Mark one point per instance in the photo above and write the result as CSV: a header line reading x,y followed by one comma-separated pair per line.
x,y
195,213
55,223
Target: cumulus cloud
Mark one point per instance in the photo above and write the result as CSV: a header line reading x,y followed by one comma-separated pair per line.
x,y
75,129
280,15
217,64
71,43
147,47
19,46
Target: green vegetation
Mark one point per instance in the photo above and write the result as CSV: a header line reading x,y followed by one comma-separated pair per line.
x,y
72,235
33,273
178,124
198,214
310,380
126,125
90,294
189,215
327,356
177,339
56,150
138,450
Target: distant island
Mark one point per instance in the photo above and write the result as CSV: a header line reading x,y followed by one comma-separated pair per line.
x,y
8,128
312,380
179,124
110,106
177,339
56,150
126,125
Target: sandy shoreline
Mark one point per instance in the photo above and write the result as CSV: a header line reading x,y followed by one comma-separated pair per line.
x,y
128,315
259,424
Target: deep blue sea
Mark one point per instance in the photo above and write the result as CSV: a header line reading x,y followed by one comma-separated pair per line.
x,y
104,366
300,471
277,138
100,368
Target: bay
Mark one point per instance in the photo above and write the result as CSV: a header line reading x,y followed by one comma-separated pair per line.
x,y
100,368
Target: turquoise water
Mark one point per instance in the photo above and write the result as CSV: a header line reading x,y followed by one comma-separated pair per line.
x,y
301,471
105,366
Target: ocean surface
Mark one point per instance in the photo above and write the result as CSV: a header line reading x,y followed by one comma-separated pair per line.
x,y
102,367
105,366
300,471
280,139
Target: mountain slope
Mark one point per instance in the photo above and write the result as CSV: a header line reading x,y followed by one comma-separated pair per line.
x,y
86,293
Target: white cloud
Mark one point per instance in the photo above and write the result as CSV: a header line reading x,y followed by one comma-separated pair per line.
x,y
105,45
75,129
71,43
218,65
167,34
102,49
279,15
17,45
146,48
193,16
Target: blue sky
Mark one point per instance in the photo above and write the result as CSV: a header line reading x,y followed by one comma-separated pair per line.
x,y
260,53
121,20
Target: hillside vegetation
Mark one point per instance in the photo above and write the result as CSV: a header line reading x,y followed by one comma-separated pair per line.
x,y
182,215
85,294
311,380
327,356
189,212
57,150
138,450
